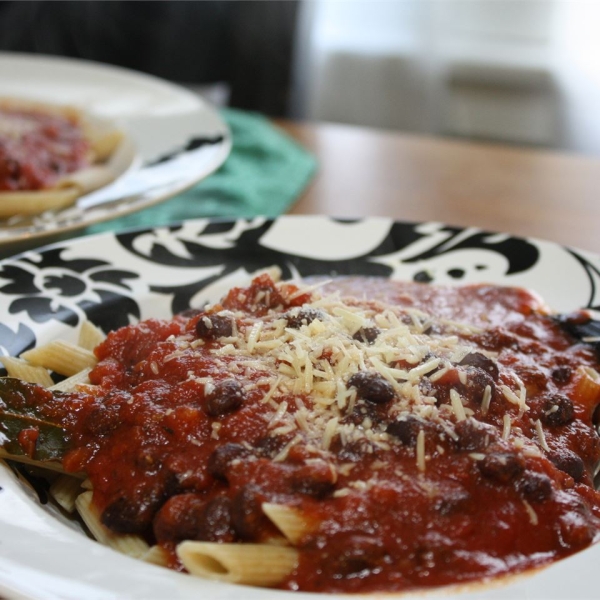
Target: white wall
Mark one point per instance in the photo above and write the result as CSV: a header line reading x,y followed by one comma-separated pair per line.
x,y
520,71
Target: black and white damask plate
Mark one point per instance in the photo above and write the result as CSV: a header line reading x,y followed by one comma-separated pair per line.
x,y
116,279
174,138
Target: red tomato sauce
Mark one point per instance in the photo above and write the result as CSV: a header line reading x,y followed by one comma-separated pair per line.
x,y
40,149
179,442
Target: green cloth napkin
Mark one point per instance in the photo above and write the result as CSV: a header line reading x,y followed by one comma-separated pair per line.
x,y
265,172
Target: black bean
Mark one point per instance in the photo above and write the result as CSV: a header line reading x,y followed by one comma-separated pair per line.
x,y
535,487
567,461
215,326
372,387
477,381
501,467
406,430
557,410
222,457
366,335
178,477
362,411
130,515
191,516
270,445
497,338
216,525
561,374
473,435
361,553
316,479
355,451
576,527
226,396
476,359
296,318
247,515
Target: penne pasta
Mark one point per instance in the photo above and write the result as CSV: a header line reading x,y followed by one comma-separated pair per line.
x,y
587,386
32,203
293,523
21,369
250,564
65,490
90,336
72,383
132,545
104,143
156,555
61,356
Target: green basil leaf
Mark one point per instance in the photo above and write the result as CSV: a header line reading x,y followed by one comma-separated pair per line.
x,y
20,404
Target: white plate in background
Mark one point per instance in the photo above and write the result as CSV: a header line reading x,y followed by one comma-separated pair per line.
x,y
176,137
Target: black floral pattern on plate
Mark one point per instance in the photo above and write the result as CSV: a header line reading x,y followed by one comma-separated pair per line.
x,y
86,287
68,282
248,253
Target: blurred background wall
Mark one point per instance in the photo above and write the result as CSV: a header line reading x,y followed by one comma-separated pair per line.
x,y
521,71
515,71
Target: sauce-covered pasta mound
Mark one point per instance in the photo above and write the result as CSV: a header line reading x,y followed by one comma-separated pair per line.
x,y
37,148
50,155
356,435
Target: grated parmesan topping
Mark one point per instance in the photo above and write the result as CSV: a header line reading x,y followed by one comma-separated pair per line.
x,y
303,372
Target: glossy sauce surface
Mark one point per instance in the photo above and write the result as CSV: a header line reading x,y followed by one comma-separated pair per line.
x,y
179,442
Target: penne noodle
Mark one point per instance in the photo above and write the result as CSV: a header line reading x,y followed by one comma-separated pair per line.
x,y
90,336
65,490
292,522
21,369
104,143
90,179
273,271
132,545
587,386
250,564
156,555
61,356
32,203
73,382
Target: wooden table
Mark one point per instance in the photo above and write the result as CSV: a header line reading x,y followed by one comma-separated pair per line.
x,y
529,192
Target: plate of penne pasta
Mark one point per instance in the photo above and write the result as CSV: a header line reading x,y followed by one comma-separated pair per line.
x,y
217,408
84,142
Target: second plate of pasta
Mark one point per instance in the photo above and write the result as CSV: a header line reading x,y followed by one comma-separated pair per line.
x,y
171,140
